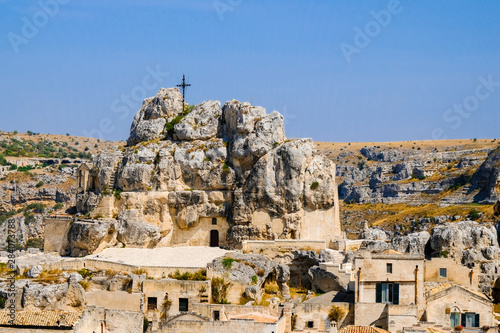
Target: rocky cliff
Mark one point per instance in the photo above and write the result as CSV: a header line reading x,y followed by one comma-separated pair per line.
x,y
183,167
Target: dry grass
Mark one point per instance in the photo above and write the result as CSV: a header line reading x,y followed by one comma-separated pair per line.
x,y
386,215
332,149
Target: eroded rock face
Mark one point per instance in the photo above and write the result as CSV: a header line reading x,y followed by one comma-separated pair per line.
x,y
149,123
68,296
232,162
487,177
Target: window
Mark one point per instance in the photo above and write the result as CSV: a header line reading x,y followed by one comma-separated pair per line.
x,y
152,303
216,315
310,324
454,319
470,319
387,293
389,268
214,220
183,304
442,274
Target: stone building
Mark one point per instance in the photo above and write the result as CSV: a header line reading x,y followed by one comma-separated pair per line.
x,y
389,290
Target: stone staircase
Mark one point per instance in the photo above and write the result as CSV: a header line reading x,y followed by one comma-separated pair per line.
x,y
424,326
112,179
342,270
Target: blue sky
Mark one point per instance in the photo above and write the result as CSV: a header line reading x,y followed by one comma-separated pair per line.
x,y
337,70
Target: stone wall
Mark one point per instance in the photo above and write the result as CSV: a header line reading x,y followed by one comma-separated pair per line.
x,y
56,234
456,273
189,326
255,246
318,314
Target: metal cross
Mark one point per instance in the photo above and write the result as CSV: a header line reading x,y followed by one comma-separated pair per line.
x,y
183,85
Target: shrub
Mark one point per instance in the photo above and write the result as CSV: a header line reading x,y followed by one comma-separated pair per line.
x,y
200,275
35,243
29,218
145,324
254,279
85,284
3,161
117,193
474,214
227,262
314,185
39,184
139,271
85,273
220,290
444,254
335,314
361,165
261,272
57,206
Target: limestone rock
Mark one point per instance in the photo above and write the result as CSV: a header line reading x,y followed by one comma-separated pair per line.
x,y
201,123
68,296
413,243
34,271
149,123
487,178
323,281
453,237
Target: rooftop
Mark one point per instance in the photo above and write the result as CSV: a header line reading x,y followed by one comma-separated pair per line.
x,y
361,329
40,318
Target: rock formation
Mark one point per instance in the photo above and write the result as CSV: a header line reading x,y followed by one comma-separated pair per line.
x,y
189,170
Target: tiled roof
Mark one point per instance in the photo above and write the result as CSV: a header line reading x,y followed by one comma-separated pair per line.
x,y
41,318
256,317
361,329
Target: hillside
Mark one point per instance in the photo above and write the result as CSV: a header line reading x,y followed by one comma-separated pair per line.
x,y
37,177
409,185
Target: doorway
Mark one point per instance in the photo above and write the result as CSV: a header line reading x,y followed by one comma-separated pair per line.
x,y
214,238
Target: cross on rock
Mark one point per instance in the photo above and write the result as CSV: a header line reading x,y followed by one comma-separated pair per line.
x,y
183,85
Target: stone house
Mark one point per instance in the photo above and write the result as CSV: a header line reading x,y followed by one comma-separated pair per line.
x,y
178,295
452,305
389,290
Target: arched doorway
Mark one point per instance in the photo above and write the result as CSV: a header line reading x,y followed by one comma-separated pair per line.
x,y
214,238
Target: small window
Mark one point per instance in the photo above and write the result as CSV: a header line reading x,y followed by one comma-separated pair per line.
x,y
442,272
216,315
183,304
152,303
389,268
310,324
214,220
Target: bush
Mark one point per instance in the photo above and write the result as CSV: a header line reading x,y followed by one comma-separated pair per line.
x,y
220,290
117,193
474,214
36,207
39,184
200,275
314,185
145,324
36,243
3,161
57,206
227,262
254,279
29,218
361,165
335,314
85,273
